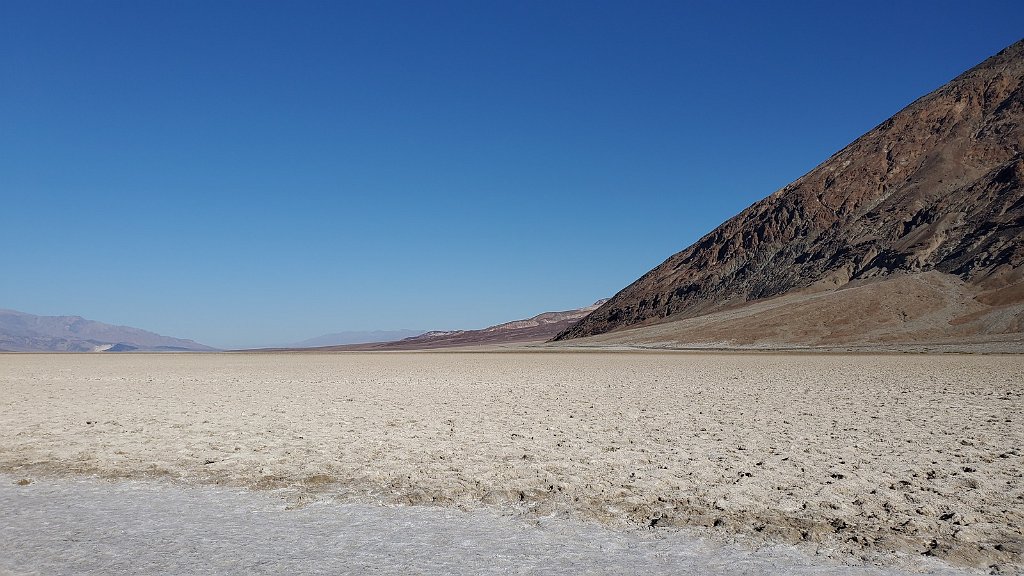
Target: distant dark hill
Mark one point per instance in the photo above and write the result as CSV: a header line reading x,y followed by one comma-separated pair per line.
x,y
21,332
536,329
927,208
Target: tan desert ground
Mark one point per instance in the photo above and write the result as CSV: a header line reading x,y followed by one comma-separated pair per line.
x,y
879,458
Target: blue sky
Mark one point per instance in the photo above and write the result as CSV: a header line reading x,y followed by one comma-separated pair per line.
x,y
249,173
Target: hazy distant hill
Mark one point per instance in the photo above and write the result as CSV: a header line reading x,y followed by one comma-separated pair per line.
x,y
21,332
912,233
357,337
536,329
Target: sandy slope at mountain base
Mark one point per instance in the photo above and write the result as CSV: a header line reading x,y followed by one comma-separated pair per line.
x,y
857,457
910,312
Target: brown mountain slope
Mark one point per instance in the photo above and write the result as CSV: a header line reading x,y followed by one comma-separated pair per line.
x,y
926,311
937,187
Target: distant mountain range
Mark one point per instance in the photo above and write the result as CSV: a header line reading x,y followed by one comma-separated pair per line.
x,y
536,329
21,332
357,337
913,233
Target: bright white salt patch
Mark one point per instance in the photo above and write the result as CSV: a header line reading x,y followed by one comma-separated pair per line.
x,y
90,526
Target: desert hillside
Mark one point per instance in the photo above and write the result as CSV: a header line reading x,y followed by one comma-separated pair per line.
x,y
530,330
911,233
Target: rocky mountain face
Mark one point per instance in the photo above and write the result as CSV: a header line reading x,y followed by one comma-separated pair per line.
x,y
21,332
936,188
536,329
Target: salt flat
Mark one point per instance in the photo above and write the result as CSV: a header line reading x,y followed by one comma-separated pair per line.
x,y
859,458
89,526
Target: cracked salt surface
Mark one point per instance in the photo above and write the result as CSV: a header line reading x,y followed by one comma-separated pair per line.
x,y
88,526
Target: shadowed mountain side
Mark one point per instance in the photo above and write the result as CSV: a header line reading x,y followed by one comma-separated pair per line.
x,y
935,189
536,329
21,332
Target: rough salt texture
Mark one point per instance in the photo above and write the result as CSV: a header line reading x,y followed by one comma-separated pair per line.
x,y
854,456
74,527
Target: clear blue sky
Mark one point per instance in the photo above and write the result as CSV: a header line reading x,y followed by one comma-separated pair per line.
x,y
247,173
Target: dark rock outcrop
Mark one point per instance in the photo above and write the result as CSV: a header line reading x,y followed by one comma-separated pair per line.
x,y
937,187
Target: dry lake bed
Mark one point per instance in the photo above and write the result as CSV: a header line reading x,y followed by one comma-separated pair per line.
x,y
570,461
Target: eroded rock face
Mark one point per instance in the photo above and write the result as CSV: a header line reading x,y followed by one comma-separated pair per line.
x,y
935,187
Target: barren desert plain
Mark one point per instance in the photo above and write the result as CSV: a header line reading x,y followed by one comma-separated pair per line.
x,y
908,462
